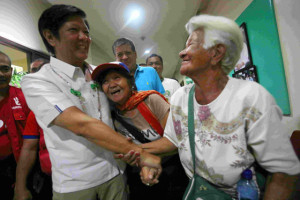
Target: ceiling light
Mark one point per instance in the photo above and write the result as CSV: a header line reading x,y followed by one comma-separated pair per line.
x,y
147,51
133,16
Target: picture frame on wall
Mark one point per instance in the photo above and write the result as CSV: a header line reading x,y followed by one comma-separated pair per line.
x,y
245,57
247,73
244,69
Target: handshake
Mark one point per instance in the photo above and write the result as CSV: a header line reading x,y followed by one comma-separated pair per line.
x,y
149,164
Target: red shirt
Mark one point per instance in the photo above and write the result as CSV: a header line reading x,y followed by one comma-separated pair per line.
x,y
34,131
14,111
5,147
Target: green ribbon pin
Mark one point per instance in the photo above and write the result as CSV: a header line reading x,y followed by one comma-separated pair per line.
x,y
94,86
76,93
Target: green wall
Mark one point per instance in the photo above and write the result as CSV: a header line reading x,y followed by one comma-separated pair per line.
x,y
265,49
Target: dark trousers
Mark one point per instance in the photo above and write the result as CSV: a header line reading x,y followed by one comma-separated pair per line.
x,y
7,177
172,182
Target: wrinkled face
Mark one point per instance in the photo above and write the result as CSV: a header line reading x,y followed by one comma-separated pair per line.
x,y
116,87
74,41
194,57
125,55
5,72
156,63
36,66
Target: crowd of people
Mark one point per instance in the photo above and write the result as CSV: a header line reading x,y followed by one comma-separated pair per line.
x,y
122,131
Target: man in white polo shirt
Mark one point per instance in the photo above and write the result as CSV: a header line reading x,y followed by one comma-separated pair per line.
x,y
74,114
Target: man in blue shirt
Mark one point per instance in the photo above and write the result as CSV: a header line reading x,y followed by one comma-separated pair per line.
x,y
146,78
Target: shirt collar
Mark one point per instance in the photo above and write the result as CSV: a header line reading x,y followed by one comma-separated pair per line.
x,y
65,68
139,68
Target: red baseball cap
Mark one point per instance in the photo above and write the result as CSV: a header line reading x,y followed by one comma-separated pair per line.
x,y
107,66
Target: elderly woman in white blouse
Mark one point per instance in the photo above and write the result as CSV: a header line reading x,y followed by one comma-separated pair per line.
x,y
236,122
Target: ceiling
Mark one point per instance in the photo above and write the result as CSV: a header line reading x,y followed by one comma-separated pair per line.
x,y
162,29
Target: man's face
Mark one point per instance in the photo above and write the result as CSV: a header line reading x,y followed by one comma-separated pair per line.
x,y
5,72
74,41
156,63
125,55
36,66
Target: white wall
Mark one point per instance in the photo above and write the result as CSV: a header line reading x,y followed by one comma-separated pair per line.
x,y
18,22
287,16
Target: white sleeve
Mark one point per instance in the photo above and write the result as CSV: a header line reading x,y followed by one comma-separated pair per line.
x,y
44,98
170,132
269,139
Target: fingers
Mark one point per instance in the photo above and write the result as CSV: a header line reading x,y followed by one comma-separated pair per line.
x,y
132,158
149,176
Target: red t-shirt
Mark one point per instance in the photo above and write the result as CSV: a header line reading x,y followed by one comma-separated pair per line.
x,y
33,131
5,146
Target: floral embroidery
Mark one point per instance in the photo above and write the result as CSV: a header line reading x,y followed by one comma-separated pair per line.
x,y
203,113
177,127
223,139
246,157
209,173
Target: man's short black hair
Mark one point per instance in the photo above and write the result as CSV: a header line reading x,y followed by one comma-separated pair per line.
x,y
122,41
54,17
155,55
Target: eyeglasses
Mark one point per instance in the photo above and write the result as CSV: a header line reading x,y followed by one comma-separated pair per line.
x,y
5,68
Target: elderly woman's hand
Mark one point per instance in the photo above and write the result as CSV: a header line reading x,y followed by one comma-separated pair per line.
x,y
149,176
132,158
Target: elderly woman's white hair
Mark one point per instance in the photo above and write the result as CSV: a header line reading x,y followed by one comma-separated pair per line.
x,y
219,30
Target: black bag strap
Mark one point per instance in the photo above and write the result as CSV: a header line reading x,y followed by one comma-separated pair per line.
x,y
130,128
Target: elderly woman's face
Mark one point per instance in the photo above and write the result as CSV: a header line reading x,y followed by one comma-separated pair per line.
x,y
116,87
194,57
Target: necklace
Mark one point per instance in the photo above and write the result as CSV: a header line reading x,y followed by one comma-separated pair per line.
x,y
94,86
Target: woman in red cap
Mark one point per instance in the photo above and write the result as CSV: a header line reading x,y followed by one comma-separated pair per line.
x,y
142,117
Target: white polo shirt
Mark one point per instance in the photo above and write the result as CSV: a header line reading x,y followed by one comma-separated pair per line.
x,y
77,164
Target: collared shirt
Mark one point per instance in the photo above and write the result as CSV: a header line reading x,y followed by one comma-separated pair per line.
x,y
77,163
146,78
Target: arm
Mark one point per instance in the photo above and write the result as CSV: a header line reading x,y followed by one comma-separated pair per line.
x,y
161,146
25,164
101,134
280,186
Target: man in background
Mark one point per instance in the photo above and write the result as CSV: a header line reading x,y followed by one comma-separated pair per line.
x,y
38,184
170,85
37,64
145,77
13,114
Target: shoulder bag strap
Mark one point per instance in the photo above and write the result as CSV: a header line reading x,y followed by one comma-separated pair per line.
x,y
150,118
130,128
191,125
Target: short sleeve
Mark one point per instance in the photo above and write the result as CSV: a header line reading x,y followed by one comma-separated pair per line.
x,y
158,106
44,97
31,130
269,140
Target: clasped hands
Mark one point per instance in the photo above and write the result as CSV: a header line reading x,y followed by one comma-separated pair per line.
x,y
149,164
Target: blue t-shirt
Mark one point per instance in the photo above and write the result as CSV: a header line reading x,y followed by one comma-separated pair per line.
x,y
146,78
